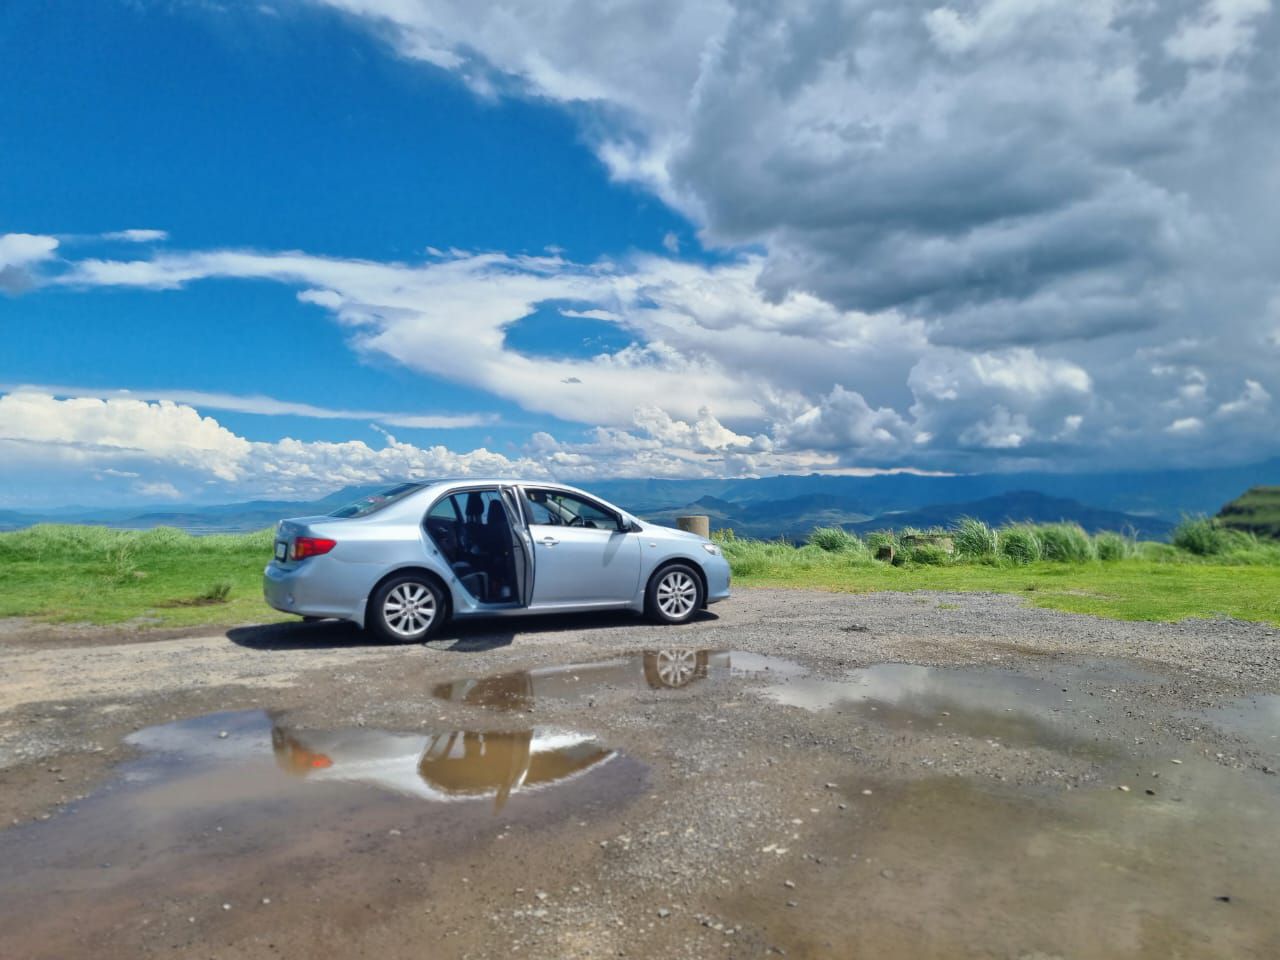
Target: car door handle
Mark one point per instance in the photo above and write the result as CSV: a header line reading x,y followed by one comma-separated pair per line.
x,y
548,541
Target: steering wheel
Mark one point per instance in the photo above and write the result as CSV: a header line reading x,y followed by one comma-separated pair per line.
x,y
576,522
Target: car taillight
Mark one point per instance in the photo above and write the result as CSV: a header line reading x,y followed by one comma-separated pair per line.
x,y
304,547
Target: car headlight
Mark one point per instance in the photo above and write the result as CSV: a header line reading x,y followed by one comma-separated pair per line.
x,y
712,549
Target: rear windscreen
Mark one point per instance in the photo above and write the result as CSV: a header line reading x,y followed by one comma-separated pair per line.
x,y
374,502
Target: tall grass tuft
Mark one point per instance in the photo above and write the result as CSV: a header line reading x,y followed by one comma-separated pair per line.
x,y
975,540
1111,546
217,593
1065,543
1205,538
833,539
927,555
1020,544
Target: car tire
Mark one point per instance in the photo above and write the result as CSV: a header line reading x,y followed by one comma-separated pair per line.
x,y
407,609
674,594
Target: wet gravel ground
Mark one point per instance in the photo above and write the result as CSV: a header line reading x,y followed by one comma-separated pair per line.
x,y
800,805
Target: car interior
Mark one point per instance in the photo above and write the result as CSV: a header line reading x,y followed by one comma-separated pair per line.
x,y
473,531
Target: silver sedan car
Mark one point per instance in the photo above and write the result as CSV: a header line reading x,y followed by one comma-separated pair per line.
x,y
405,560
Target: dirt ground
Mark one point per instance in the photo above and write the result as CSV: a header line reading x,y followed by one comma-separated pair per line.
x,y
799,774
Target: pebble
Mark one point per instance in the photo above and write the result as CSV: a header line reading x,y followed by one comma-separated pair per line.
x,y
663,912
789,884
866,793
226,906
1122,788
222,734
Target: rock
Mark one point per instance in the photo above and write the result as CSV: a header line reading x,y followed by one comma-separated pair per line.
x,y
1122,788
663,912
789,884
887,873
222,734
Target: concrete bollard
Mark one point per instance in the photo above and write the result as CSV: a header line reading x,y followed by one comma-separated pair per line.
x,y
697,524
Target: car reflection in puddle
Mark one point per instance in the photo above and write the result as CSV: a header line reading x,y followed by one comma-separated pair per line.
x,y
455,765
666,669
218,806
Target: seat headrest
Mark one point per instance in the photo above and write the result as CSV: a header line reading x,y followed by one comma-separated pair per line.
x,y
475,504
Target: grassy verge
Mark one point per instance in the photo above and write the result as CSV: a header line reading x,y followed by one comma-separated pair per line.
x,y
159,577
166,578
1204,575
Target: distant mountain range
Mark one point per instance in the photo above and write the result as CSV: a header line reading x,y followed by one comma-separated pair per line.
x,y
791,506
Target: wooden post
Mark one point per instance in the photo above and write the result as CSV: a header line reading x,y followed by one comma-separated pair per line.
x,y
700,525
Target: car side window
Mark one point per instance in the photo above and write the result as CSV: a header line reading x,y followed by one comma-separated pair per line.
x,y
444,510
555,508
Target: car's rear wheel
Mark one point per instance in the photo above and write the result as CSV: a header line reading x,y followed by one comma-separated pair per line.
x,y
674,594
407,608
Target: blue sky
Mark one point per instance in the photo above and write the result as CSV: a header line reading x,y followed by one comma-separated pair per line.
x,y
266,249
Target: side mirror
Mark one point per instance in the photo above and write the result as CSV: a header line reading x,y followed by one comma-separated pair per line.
x,y
627,525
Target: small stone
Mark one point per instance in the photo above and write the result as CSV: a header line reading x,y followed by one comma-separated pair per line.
x,y
541,895
266,901
887,873
226,906
1223,899
829,786
663,912
792,903
1122,788
1150,793
222,734
1175,761
789,884
866,793
842,806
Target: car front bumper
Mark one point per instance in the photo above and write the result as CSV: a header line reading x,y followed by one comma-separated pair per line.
x,y
718,576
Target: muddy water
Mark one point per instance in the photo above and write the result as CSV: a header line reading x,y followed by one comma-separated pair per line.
x,y
998,705
244,810
311,837
667,669
1168,856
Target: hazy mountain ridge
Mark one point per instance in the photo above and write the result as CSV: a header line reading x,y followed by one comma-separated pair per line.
x,y
791,506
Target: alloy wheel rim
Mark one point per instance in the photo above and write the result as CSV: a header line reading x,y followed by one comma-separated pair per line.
x,y
677,593
410,608
676,667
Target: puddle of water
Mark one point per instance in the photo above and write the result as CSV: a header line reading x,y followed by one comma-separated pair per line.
x,y
1256,718
1012,708
668,669
945,867
232,802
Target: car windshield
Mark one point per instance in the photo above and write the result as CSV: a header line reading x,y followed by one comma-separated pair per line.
x,y
374,502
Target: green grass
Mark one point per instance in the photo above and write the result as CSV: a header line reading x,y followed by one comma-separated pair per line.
x,y
160,577
1256,511
1057,566
164,577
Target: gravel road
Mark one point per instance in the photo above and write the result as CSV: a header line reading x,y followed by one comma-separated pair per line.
x,y
897,775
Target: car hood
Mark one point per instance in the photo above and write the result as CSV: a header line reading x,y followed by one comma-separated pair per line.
x,y
672,533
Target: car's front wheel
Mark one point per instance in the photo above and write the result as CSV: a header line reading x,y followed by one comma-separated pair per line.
x,y
674,594
407,608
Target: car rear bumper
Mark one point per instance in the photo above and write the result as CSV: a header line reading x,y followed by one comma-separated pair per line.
x,y
308,590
